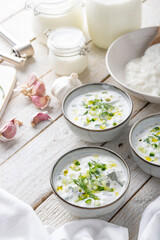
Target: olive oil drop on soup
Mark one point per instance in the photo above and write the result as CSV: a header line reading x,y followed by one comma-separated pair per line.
x,y
92,181
98,110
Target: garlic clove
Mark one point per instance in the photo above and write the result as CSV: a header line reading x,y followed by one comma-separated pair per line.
x,y
9,131
39,117
40,102
32,79
38,89
63,85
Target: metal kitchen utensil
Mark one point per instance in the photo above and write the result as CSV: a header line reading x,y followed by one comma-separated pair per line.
x,y
18,61
113,176
23,50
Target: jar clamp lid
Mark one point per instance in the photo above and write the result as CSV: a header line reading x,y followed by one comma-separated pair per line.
x,y
67,41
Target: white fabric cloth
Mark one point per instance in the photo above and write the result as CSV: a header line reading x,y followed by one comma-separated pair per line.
x,y
18,221
150,222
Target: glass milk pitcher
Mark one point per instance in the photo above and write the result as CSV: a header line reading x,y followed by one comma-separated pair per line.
x,y
109,19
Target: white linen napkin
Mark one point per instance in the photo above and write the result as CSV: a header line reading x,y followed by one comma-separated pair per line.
x,y
18,221
150,222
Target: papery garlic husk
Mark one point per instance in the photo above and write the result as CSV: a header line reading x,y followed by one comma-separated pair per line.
x,y
40,102
39,117
9,131
63,85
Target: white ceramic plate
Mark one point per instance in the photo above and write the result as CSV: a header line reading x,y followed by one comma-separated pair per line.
x,y
124,49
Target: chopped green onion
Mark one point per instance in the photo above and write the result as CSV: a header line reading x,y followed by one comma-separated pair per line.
x,y
151,154
88,201
77,163
111,190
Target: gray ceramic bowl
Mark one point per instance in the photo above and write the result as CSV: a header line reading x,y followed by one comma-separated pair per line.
x,y
124,49
84,211
138,127
92,135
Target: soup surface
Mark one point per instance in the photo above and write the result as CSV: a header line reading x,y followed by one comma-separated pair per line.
x,y
148,145
98,110
92,181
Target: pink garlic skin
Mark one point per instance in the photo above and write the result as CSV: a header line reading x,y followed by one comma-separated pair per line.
x,y
41,102
38,89
32,79
39,117
34,87
8,132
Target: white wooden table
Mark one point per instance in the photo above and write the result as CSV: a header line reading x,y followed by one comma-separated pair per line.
x,y
25,163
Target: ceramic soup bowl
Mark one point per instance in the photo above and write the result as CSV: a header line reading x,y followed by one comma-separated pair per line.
x,y
130,46
146,160
81,153
92,134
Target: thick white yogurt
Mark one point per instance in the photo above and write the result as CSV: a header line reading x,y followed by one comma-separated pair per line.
x,y
92,181
49,15
143,74
148,145
98,109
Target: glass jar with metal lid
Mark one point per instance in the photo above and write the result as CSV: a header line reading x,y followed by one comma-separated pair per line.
x,y
68,52
51,14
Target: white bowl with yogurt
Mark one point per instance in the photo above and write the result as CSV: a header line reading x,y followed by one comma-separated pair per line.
x,y
90,181
97,112
144,139
126,52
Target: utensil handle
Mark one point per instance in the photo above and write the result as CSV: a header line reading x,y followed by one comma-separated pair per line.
x,y
12,59
7,36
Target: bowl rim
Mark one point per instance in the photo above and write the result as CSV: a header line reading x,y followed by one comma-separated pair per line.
x,y
92,147
130,138
144,95
96,130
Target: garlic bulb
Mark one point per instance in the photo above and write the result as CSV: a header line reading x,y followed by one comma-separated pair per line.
x,y
63,85
9,131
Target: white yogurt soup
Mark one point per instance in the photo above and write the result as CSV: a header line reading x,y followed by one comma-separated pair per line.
x,y
92,181
98,110
148,144
143,74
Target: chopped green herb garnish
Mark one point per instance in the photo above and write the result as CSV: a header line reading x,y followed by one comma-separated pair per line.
x,y
77,163
155,129
111,190
85,113
88,201
151,154
89,164
92,120
81,183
